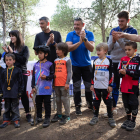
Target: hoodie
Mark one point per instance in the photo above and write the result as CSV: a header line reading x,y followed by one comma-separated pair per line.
x,y
117,50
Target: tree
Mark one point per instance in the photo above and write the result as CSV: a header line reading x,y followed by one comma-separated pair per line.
x,y
63,18
16,14
3,20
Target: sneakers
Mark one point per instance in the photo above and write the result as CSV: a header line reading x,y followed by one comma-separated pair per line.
x,y
28,117
125,124
4,124
64,119
131,126
38,120
111,122
93,121
56,118
16,123
46,122
78,111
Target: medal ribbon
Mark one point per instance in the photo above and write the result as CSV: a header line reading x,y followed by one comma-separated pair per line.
x,y
127,62
8,80
40,69
98,66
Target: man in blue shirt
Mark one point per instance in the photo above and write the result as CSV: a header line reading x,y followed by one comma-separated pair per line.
x,y
80,44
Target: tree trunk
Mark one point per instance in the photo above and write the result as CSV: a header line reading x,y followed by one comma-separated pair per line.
x,y
23,22
3,21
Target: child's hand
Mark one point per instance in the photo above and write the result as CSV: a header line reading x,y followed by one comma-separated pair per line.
x,y
33,90
92,88
43,77
109,89
122,71
53,86
66,86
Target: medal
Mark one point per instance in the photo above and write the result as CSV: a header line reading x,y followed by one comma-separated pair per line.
x,y
95,78
8,80
8,88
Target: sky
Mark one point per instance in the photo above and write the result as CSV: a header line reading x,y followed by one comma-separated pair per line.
x,y
48,8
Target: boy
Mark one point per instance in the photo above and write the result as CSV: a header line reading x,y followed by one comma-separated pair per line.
x,y
11,87
116,48
102,83
61,83
43,73
129,69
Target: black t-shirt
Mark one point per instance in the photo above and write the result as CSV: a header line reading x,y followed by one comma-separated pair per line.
x,y
42,38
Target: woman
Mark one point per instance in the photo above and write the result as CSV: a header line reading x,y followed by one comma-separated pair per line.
x,y
21,53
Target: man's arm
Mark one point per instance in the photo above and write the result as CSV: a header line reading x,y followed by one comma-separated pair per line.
x,y
89,45
110,43
36,42
72,47
132,37
121,41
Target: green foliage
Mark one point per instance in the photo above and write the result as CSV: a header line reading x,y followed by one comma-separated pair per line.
x,y
62,20
17,14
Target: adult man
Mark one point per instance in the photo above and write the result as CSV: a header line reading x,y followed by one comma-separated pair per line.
x,y
80,44
116,47
48,37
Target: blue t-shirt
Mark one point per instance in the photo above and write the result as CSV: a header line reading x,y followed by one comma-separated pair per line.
x,y
81,56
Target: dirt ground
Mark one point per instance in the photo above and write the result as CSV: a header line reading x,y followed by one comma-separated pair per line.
x,y
77,129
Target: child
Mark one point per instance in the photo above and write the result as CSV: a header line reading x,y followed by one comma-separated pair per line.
x,y
1,70
101,84
43,73
61,83
11,87
129,69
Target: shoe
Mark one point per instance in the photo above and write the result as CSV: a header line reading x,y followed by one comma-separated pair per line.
x,y
111,122
28,117
46,122
105,115
125,124
56,118
17,124
4,124
38,120
64,119
78,111
93,121
131,126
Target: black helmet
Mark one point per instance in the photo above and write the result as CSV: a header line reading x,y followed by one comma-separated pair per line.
x,y
43,48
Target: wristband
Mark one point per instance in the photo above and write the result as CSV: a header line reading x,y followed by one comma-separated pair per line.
x,y
85,40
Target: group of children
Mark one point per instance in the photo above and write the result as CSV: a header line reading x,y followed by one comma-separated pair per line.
x,y
47,75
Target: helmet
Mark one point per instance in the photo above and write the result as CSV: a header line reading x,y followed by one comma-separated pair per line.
x,y
43,48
